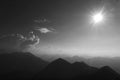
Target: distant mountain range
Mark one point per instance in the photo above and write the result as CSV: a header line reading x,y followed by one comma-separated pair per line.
x,y
26,66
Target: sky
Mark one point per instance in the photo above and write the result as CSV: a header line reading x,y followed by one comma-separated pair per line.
x,y
63,27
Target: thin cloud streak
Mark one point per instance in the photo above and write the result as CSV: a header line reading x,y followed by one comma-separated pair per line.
x,y
44,30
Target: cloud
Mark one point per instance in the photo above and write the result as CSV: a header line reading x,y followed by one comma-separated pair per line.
x,y
41,20
36,41
34,38
44,30
30,43
44,22
20,36
30,40
20,41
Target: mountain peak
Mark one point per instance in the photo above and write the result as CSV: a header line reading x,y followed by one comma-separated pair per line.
x,y
106,73
107,69
57,64
60,61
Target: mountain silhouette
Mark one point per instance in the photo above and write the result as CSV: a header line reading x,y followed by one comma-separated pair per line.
x,y
62,70
26,66
83,69
19,65
106,73
55,70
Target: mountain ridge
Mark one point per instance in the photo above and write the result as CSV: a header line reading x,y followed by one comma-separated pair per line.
x,y
77,70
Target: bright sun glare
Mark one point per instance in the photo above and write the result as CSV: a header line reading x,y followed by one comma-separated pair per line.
x,y
97,17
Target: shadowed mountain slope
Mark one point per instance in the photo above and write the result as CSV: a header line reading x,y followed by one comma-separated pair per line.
x,y
62,70
20,65
106,73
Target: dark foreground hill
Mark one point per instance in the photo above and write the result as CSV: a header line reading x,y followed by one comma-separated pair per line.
x,y
19,65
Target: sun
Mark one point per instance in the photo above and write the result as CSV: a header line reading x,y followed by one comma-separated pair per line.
x,y
98,17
